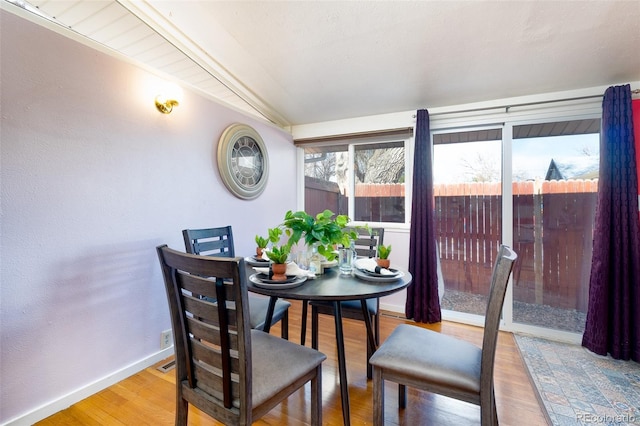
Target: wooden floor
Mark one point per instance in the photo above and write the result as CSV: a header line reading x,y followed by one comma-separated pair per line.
x,y
148,398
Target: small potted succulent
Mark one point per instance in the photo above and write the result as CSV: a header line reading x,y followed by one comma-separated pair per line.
x,y
261,244
383,256
279,255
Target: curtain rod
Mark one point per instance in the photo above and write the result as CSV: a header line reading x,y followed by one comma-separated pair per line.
x,y
358,136
507,107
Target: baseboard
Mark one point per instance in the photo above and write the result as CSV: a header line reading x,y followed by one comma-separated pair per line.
x,y
68,400
392,310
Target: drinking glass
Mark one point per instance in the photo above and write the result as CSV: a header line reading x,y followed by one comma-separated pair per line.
x,y
345,260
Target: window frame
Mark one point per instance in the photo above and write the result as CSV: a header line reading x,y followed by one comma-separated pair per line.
x,y
407,142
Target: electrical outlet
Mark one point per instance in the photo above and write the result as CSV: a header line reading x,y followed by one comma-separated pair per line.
x,y
166,339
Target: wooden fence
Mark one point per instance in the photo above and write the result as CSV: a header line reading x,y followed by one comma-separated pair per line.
x,y
552,234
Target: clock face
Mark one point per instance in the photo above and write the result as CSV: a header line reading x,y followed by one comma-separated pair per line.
x,y
247,162
243,161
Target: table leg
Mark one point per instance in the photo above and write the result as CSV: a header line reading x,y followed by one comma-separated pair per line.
x,y
342,366
269,318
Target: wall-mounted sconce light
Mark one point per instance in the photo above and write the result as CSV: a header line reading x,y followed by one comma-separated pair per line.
x,y
170,97
165,106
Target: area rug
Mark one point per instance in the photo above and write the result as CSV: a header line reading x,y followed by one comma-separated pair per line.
x,y
578,387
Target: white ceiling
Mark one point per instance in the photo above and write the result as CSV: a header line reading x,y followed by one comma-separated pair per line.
x,y
300,62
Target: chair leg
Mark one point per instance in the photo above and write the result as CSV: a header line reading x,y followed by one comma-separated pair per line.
x,y
488,411
495,413
376,328
402,396
369,366
316,398
378,398
284,332
303,325
314,327
182,411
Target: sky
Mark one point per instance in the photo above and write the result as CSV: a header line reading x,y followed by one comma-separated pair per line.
x,y
455,163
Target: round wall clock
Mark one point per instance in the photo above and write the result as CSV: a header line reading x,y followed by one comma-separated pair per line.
x,y
243,161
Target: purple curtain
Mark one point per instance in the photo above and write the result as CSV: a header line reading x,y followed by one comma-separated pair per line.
x,y
613,315
423,304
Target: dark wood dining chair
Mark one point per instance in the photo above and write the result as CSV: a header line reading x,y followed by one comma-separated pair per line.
x,y
434,362
366,245
226,369
219,242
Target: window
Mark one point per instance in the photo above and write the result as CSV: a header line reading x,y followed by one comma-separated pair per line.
x,y
365,181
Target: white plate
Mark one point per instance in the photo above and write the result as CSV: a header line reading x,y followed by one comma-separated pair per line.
x,y
394,273
259,283
385,279
264,278
249,260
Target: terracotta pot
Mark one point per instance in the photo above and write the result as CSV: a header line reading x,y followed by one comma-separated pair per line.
x,y
259,251
279,271
383,263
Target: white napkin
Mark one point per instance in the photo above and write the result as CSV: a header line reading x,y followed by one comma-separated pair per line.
x,y
369,264
292,269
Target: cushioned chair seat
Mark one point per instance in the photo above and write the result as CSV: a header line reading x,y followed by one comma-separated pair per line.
x,y
286,363
416,352
259,306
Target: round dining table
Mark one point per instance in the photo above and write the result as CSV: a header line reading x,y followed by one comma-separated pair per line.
x,y
332,286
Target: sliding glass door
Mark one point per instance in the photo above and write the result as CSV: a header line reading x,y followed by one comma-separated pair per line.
x,y
552,177
468,206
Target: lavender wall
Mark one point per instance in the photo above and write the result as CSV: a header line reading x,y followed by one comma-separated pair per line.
x,y
93,178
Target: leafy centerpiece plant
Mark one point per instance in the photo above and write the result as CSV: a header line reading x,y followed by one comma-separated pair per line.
x,y
322,231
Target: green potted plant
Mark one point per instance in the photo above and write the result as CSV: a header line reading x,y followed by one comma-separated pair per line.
x,y
279,255
261,243
322,231
383,260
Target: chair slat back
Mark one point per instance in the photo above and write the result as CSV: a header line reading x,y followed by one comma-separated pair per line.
x,y
499,280
212,341
209,241
367,243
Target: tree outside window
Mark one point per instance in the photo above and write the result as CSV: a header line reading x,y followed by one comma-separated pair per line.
x,y
378,175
